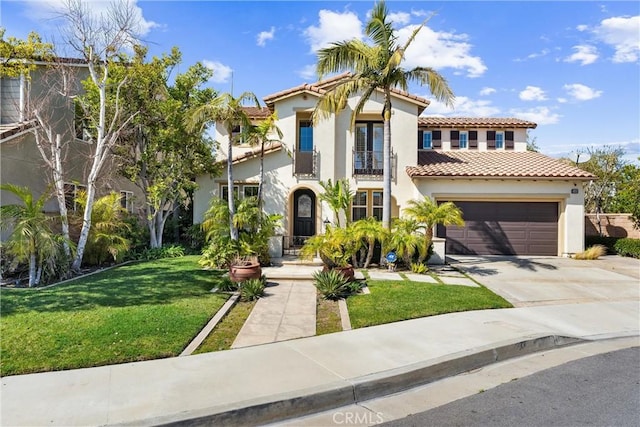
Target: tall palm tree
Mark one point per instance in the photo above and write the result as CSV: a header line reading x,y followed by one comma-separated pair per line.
x,y
229,112
429,214
263,134
338,196
31,240
375,68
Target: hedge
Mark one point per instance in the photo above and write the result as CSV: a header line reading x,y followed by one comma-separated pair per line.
x,y
628,247
608,242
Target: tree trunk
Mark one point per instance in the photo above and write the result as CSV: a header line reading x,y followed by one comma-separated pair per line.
x,y
58,181
386,175
86,224
367,262
233,231
32,269
261,180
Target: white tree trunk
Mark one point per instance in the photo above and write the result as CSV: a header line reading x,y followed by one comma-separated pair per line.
x,y
233,231
32,269
58,181
386,174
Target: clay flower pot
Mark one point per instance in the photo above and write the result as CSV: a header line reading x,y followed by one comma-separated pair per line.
x,y
245,271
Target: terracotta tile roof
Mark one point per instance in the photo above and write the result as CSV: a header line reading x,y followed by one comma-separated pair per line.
x,y
257,113
493,164
321,87
477,122
271,148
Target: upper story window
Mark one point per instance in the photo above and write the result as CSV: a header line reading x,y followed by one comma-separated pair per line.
x,y
71,193
305,136
237,135
126,200
464,139
368,148
427,140
499,140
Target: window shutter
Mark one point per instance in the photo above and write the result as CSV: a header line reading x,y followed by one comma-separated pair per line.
x,y
436,139
473,139
508,138
491,140
420,135
455,139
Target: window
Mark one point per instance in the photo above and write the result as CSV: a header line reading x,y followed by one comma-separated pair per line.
x,y
368,148
81,124
246,190
126,200
464,139
71,193
359,206
237,135
367,203
305,136
499,140
427,143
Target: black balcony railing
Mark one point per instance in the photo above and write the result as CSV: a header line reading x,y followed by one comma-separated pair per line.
x,y
304,163
371,163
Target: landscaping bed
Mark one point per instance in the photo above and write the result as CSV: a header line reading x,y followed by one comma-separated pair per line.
x,y
139,311
394,300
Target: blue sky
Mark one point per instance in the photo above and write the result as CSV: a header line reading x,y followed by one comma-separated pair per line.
x,y
572,67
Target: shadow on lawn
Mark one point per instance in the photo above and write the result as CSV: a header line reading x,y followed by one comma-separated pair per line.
x,y
134,284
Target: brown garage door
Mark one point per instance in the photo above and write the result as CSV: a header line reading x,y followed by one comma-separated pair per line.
x,y
504,228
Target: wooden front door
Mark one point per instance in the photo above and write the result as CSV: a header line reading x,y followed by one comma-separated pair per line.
x,y
304,215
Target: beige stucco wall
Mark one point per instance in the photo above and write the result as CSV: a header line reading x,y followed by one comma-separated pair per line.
x,y
571,206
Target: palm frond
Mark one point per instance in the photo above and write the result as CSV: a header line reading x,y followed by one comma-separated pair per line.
x,y
437,83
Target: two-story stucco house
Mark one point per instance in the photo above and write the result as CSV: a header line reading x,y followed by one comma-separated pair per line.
x,y
20,160
514,201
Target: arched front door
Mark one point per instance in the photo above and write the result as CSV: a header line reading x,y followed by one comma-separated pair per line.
x,y
304,215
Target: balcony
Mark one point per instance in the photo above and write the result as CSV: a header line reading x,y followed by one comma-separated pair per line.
x,y
305,163
371,163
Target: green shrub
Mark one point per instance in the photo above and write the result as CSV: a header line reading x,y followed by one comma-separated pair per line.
x,y
150,254
227,285
628,247
331,284
608,242
419,268
252,289
593,252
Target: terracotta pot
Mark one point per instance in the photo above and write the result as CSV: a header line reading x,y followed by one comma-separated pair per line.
x,y
240,273
347,272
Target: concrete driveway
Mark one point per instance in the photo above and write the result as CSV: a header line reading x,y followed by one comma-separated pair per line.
x,y
529,281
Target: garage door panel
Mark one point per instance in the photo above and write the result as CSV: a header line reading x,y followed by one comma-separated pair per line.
x,y
504,228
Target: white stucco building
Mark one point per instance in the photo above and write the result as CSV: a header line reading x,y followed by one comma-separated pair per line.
x,y
514,201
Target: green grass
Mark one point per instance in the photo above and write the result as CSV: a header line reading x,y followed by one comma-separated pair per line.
x,y
392,301
225,332
139,311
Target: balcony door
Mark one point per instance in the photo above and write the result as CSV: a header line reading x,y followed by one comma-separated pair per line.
x,y
368,151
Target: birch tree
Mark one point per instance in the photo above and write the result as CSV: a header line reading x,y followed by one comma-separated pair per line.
x,y
100,40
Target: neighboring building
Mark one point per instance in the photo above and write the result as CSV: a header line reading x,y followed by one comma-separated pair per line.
x,y
20,160
514,201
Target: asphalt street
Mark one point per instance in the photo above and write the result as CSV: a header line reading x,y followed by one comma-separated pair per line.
x,y
602,390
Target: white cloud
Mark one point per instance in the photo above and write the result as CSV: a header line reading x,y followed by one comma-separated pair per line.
x,y
539,115
562,100
441,50
622,34
463,106
333,27
582,28
263,36
221,72
400,18
485,91
580,92
308,72
585,54
532,93
543,52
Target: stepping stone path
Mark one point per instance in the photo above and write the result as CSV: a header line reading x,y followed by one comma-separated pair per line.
x,y
425,278
460,281
384,275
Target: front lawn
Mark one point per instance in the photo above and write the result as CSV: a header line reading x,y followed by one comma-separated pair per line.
x,y
392,301
139,311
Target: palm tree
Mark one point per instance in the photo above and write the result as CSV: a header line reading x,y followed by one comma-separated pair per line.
x,y
405,238
370,230
374,68
31,240
338,196
262,134
229,112
429,214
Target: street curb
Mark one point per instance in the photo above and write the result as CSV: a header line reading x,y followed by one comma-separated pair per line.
x,y
329,396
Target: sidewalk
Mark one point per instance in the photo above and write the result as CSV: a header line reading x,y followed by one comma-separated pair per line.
x,y
260,384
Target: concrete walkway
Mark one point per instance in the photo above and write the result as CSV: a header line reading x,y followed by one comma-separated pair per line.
x,y
287,311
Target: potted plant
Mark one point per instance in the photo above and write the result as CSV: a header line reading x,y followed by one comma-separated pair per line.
x,y
244,268
335,248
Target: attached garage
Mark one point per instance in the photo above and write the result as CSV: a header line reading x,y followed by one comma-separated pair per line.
x,y
504,228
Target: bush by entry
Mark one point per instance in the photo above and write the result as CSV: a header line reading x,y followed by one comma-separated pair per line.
x,y
140,311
